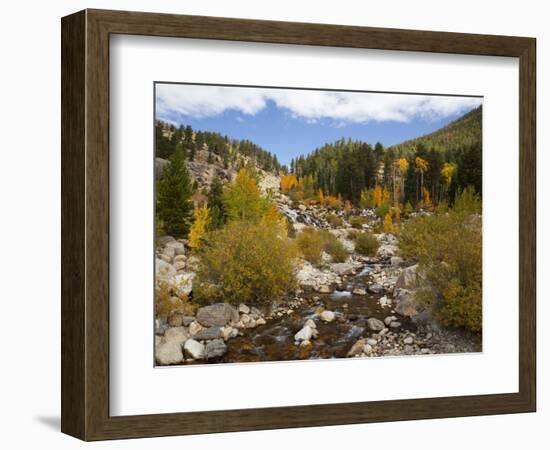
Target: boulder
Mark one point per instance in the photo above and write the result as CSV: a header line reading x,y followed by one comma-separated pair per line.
x,y
327,316
406,304
194,349
342,268
215,349
164,270
179,265
376,288
244,309
408,340
163,240
375,324
187,320
168,353
176,334
209,333
305,334
310,323
408,279
183,283
359,291
217,315
194,327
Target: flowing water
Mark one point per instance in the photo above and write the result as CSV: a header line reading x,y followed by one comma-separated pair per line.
x,y
275,340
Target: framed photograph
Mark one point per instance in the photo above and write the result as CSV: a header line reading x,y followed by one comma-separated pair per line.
x,y
272,225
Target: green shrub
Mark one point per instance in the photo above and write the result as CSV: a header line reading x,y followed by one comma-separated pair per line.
x,y
382,210
366,244
334,221
310,243
357,221
244,262
448,248
333,246
352,234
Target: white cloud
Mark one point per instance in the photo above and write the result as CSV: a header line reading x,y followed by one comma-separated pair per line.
x,y
341,107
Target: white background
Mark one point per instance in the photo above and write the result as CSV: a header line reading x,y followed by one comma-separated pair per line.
x,y
30,238
138,388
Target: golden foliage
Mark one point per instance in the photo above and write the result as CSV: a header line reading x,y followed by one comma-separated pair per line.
x,y
198,229
167,302
448,171
245,262
288,182
421,164
377,196
388,223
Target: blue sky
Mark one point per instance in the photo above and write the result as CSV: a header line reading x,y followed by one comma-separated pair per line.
x,y
290,122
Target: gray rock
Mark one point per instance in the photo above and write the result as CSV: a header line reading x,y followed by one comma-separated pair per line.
x,y
389,319
176,334
408,279
194,349
408,340
160,326
168,353
187,320
255,311
375,324
372,342
395,324
163,240
164,270
406,304
342,268
217,315
179,265
169,251
376,288
215,349
194,327
209,333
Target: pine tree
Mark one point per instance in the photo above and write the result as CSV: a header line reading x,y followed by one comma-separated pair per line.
x,y
215,202
173,197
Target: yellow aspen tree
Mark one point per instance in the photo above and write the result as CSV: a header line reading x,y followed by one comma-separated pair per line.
x,y
421,167
321,197
377,196
340,200
347,207
448,172
198,229
403,169
388,223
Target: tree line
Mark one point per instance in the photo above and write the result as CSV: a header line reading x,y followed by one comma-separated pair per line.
x,y
429,169
168,138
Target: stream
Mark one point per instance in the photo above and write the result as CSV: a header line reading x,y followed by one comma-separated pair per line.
x,y
275,340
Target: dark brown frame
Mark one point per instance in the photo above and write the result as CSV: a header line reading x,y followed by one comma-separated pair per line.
x,y
85,224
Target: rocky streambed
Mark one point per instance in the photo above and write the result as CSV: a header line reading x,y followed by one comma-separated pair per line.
x,y
361,308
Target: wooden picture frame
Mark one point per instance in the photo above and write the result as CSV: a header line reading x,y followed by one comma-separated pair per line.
x,y
85,224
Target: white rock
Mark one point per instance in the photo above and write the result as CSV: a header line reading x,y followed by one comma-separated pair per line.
x,y
310,323
327,316
194,349
372,342
323,289
244,309
260,321
194,328
359,291
304,334
408,340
